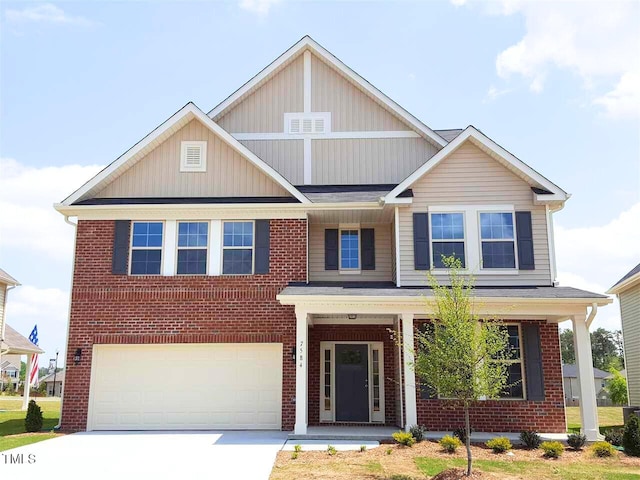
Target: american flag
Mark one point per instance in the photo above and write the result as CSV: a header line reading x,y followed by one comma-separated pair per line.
x,y
33,375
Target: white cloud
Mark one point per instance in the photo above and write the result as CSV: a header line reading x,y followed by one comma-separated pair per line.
x,y
27,195
494,93
624,100
46,13
259,7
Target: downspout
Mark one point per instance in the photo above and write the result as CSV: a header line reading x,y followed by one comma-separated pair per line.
x,y
73,267
592,314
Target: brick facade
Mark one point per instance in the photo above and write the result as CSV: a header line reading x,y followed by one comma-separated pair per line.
x,y
124,309
510,415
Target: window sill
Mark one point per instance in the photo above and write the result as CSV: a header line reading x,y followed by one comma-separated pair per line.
x,y
350,272
486,271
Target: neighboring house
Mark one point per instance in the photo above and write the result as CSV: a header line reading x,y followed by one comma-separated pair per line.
x,y
262,253
628,291
54,383
572,386
9,371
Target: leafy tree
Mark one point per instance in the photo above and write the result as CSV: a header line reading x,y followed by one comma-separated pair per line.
x,y
23,371
617,388
603,348
459,356
566,347
606,348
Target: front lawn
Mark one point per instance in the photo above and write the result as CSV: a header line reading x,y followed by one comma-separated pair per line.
x,y
608,417
12,432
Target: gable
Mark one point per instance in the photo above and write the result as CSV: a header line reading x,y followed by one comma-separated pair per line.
x,y
157,174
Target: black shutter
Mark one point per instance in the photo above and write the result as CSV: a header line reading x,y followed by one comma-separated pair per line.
x,y
533,362
262,246
120,260
421,241
525,241
368,249
331,249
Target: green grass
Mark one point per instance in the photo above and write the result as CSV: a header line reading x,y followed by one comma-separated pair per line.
x,y
12,422
608,417
547,469
15,441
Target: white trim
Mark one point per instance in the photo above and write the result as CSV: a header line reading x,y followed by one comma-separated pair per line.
x,y
301,117
471,133
189,111
514,240
410,401
307,163
396,224
169,258
307,81
360,320
551,243
307,43
301,399
349,228
184,145
215,242
622,286
329,135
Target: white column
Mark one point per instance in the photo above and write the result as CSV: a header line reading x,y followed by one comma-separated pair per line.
x,y
300,427
410,408
215,248
584,361
169,253
27,384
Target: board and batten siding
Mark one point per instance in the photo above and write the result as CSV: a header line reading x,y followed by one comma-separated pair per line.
x,y
468,176
263,111
355,161
630,312
158,174
382,273
285,156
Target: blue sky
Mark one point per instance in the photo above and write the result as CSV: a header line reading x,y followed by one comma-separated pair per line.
x,y
557,84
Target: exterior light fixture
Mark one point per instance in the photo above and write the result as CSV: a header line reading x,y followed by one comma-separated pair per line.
x,y
352,316
77,356
293,354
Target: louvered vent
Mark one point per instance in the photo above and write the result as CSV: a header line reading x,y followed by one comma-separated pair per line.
x,y
193,157
308,123
318,125
294,126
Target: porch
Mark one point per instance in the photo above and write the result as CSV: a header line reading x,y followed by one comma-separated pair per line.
x,y
339,329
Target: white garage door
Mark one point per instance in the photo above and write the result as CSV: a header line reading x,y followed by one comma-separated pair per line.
x,y
186,386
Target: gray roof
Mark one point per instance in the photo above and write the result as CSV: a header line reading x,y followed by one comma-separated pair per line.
x,y
7,279
449,133
49,377
13,342
635,270
347,193
363,290
571,371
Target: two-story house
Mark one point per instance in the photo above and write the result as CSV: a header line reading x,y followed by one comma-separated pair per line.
x,y
264,252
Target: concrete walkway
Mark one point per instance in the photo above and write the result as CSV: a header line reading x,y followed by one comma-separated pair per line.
x,y
147,455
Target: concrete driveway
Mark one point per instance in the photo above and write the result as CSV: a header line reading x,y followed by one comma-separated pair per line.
x,y
147,455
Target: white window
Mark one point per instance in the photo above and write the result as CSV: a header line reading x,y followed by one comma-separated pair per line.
x,y
237,248
497,235
350,249
193,240
193,156
447,237
307,123
146,248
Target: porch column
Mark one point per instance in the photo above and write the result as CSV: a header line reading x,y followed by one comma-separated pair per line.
x,y
584,361
302,403
410,408
27,385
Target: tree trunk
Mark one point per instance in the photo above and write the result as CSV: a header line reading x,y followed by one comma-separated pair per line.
x,y
467,426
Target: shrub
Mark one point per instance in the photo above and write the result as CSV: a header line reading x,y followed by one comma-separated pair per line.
x,y
331,450
294,455
389,450
614,436
603,449
461,433
499,444
631,436
577,441
418,432
363,448
400,476
297,448
552,449
33,420
450,444
404,438
530,439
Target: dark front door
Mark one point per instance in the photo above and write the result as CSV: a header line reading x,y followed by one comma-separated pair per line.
x,y
352,383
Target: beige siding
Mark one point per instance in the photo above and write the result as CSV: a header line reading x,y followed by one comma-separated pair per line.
x,y
263,110
630,312
285,156
158,174
470,177
383,160
317,273
351,110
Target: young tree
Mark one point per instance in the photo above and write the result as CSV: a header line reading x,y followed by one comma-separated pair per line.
x,y
617,388
461,357
566,347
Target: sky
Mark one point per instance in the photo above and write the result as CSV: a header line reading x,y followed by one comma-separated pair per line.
x,y
556,83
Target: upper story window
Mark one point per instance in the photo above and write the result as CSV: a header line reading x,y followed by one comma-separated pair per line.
x,y
447,237
350,249
498,240
146,248
307,123
193,156
514,387
237,248
193,240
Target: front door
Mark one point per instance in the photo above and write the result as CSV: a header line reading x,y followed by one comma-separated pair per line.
x,y
352,383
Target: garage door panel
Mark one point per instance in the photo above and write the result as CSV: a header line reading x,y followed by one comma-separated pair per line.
x,y
186,386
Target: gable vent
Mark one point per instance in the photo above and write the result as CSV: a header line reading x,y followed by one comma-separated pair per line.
x,y
294,125
193,157
314,123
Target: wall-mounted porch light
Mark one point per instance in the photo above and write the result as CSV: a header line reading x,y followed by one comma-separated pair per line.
x,y
352,316
77,356
293,354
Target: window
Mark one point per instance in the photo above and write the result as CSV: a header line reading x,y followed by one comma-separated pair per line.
x,y
375,376
193,239
327,380
146,248
193,156
12,373
498,240
514,387
447,237
237,248
349,249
